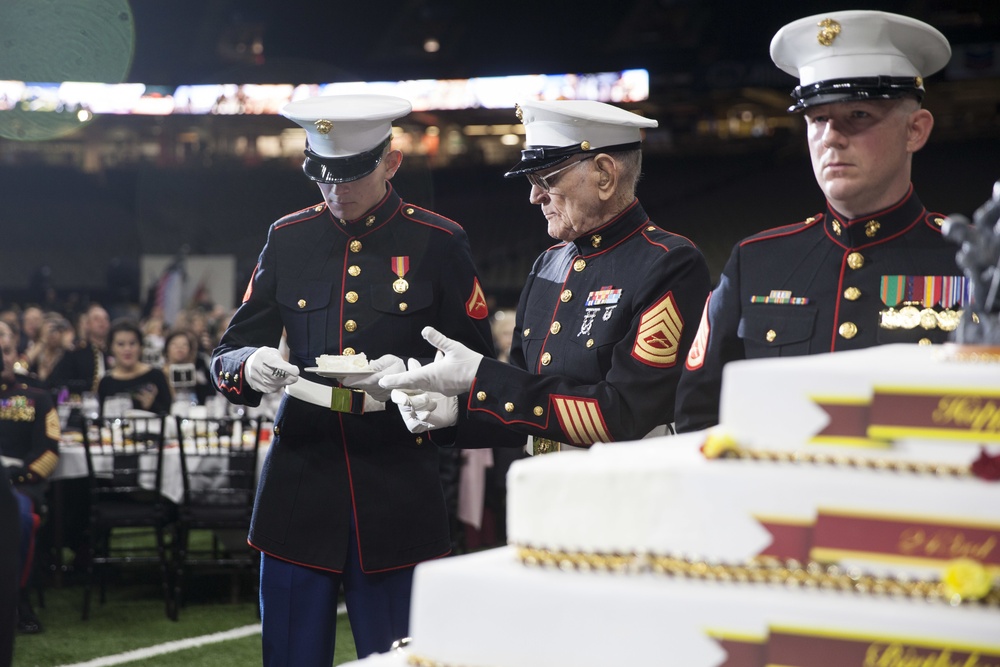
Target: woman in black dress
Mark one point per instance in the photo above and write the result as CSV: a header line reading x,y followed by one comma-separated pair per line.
x,y
146,385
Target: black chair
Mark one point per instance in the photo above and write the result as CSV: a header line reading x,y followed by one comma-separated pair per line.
x,y
219,461
128,516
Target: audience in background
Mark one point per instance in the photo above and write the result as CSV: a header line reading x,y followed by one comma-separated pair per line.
x,y
145,385
185,367
81,369
54,340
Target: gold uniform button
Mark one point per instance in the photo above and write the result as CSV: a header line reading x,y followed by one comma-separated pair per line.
x,y
354,270
509,407
590,342
539,411
409,210
809,220
771,335
349,351
546,359
852,294
579,265
318,208
855,260
848,330
277,430
566,296
481,396
527,332
236,377
228,375
555,328
419,440
355,246
302,303
938,221
350,326
352,297
924,341
403,306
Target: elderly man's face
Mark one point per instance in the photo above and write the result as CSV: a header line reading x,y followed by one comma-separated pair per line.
x,y
571,205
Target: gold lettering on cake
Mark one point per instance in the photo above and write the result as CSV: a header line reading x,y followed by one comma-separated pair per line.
x,y
944,544
898,655
971,413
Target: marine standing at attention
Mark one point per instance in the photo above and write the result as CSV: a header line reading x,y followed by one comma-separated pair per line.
x,y
873,267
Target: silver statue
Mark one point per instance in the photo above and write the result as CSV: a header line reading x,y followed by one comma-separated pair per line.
x,y
979,258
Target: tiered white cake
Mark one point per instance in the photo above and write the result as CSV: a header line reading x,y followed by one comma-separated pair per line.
x,y
724,549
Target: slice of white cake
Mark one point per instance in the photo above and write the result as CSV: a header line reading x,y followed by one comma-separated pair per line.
x,y
342,363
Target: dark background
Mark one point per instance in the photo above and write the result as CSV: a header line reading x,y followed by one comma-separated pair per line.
x,y
84,230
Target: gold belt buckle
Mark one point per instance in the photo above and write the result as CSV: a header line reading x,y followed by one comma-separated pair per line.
x,y
344,400
544,445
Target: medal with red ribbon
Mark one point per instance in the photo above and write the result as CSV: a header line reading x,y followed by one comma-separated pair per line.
x,y
400,266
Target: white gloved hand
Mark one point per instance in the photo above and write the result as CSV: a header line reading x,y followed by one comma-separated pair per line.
x,y
266,370
387,364
425,410
451,373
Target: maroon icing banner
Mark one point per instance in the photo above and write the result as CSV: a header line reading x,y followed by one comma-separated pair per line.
x,y
846,421
936,411
931,413
789,649
741,653
789,540
909,538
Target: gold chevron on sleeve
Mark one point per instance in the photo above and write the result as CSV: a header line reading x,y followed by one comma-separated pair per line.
x,y
581,420
696,355
44,464
52,425
658,339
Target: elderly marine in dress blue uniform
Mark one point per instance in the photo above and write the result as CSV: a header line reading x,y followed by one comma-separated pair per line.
x,y
347,492
605,317
856,274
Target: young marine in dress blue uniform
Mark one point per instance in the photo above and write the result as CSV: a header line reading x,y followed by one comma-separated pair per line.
x,y
347,495
873,267
606,315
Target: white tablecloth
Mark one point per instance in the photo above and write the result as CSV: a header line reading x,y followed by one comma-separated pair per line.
x,y
73,465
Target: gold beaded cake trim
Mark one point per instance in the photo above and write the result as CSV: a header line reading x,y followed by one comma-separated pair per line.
x,y
964,580
720,445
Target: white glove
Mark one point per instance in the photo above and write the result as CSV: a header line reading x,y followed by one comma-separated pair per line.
x,y
425,410
387,364
451,373
267,371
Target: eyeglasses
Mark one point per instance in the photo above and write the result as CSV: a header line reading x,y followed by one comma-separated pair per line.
x,y
545,182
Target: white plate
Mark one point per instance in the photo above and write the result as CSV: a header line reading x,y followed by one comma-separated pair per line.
x,y
339,374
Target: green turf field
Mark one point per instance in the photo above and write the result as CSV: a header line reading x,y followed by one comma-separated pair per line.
x,y
133,619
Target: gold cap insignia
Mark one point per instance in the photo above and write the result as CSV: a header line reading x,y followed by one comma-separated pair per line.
x,y
323,126
829,29
518,112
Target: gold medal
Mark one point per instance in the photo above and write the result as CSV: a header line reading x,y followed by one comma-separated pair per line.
x,y
889,319
909,317
928,319
400,286
947,320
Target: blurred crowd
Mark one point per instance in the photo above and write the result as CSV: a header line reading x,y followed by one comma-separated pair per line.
x,y
80,354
